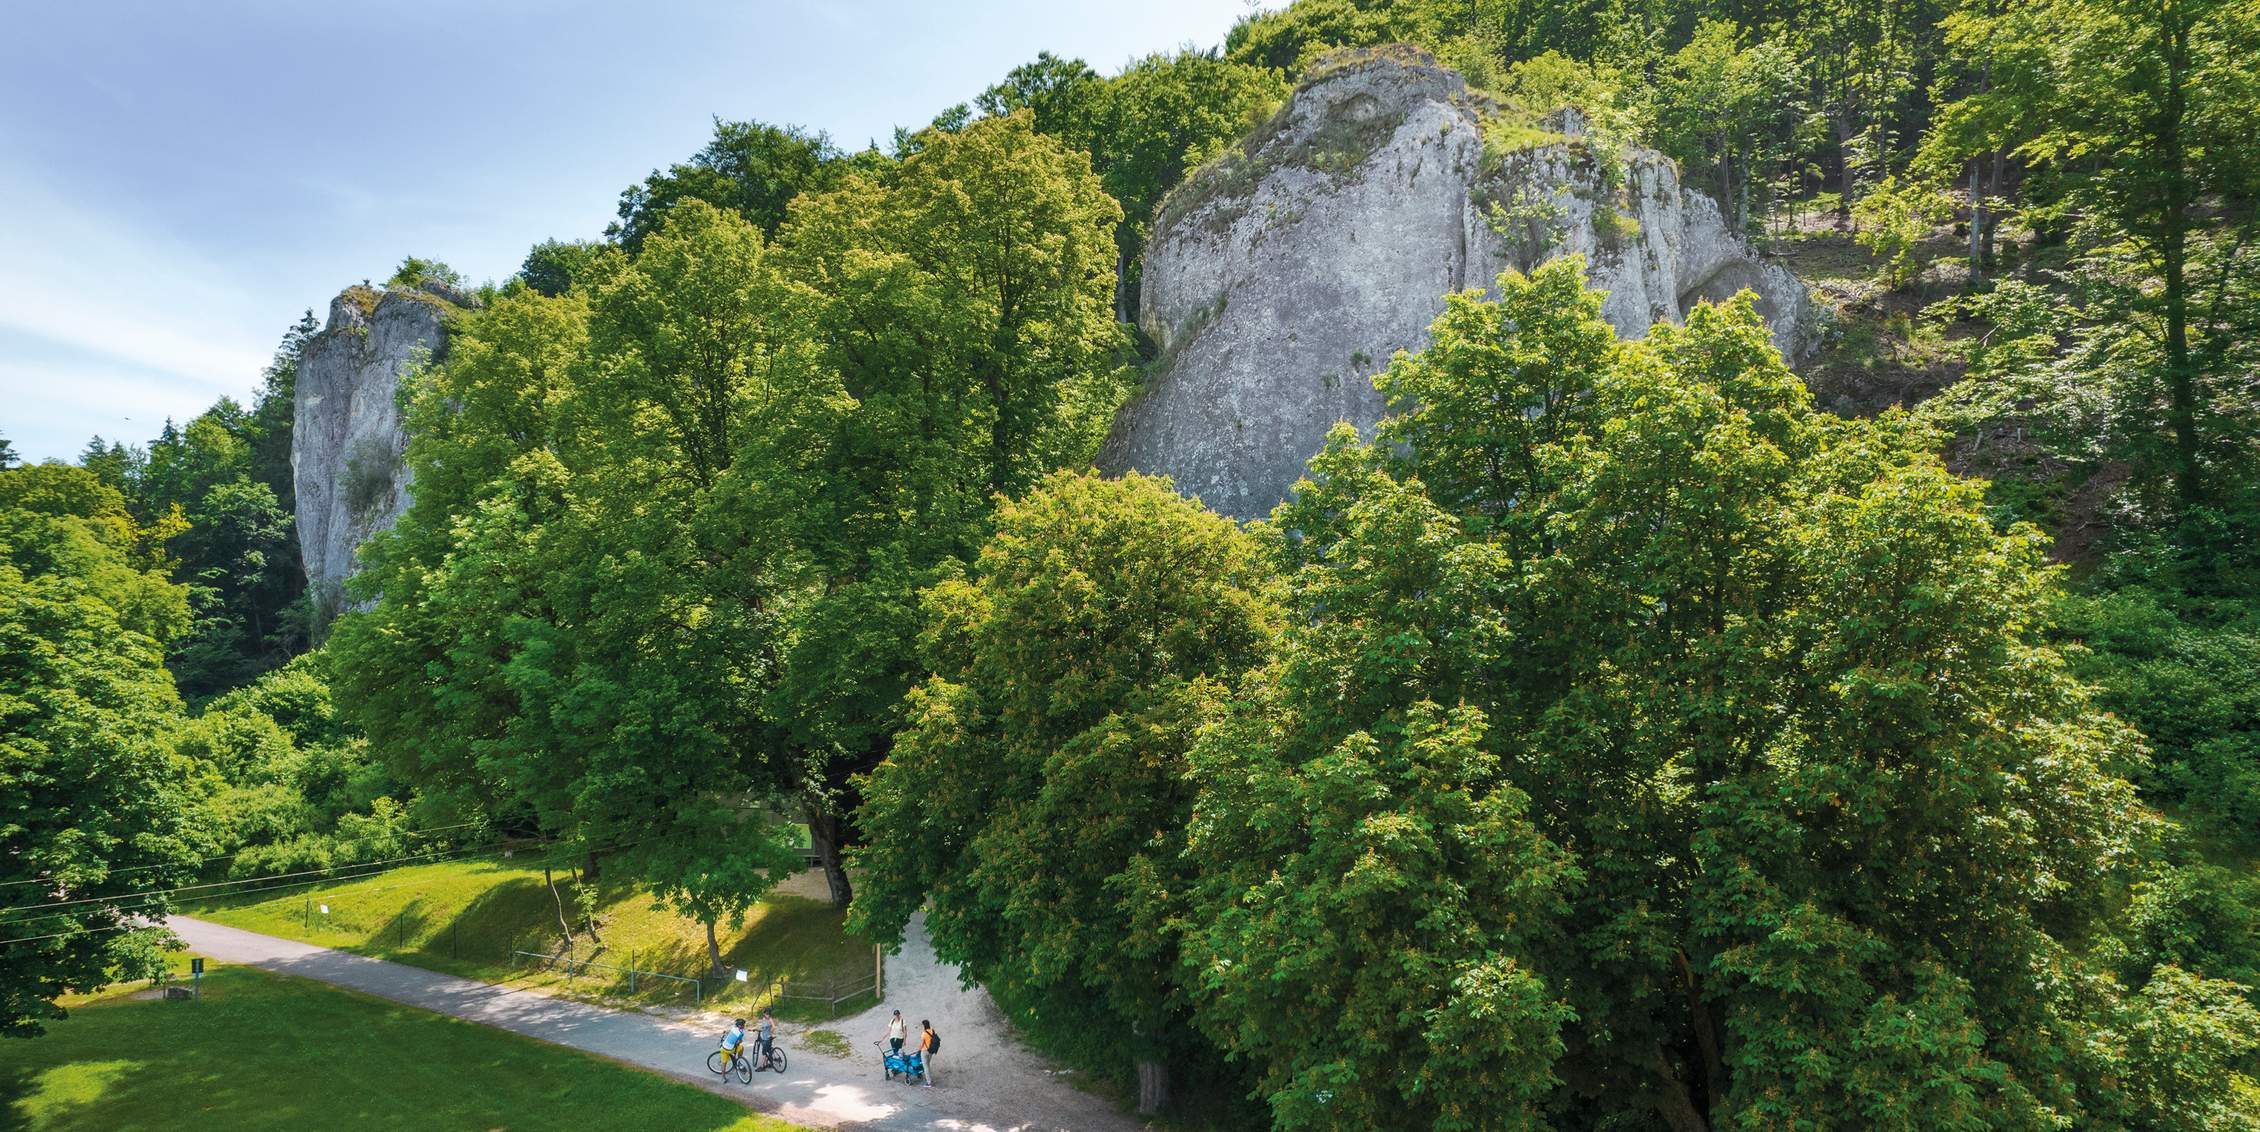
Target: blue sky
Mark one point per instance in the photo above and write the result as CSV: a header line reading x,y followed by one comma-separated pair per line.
x,y
178,181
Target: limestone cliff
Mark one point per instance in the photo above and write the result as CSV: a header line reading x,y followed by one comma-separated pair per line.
x,y
346,441
1280,278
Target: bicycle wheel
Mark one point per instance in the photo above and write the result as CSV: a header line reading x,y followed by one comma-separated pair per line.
x,y
717,1066
745,1070
777,1060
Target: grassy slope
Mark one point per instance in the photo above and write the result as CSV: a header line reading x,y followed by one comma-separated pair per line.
x,y
466,917
246,1058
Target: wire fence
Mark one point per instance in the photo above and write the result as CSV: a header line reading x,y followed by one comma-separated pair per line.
x,y
836,992
634,977
454,930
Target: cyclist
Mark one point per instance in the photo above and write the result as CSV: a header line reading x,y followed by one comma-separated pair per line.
x,y
768,1037
733,1040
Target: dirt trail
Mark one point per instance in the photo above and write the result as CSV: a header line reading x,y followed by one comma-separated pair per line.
x,y
986,1082
1016,1086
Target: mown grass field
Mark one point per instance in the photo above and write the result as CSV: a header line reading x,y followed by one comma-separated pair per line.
x,y
468,917
265,1051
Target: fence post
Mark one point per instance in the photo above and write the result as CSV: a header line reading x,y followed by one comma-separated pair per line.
x,y
631,972
878,974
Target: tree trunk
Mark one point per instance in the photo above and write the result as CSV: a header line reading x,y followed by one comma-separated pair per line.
x,y
1672,1100
1844,137
2173,255
588,866
824,835
582,902
1977,223
564,926
1981,232
1994,185
1709,1040
1726,185
1153,1086
713,949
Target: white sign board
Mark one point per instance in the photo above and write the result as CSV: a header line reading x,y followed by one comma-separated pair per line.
x,y
741,976
325,909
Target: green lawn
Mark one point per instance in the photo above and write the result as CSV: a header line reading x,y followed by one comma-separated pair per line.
x,y
252,1056
467,917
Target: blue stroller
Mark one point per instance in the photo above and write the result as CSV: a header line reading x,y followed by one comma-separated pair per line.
x,y
910,1065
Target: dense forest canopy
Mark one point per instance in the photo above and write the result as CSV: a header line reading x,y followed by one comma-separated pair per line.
x,y
1630,734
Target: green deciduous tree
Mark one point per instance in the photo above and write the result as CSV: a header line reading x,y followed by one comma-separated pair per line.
x,y
751,168
553,267
1735,113
1810,826
293,786
965,305
581,612
1144,128
1039,791
222,487
94,801
1372,894
2142,112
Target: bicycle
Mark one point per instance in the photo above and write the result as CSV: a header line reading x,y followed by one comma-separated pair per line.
x,y
774,1058
722,1063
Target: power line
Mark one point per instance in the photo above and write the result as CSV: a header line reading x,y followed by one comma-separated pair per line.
x,y
498,847
120,897
224,856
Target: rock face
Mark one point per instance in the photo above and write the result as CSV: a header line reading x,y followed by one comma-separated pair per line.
x,y
346,441
1280,278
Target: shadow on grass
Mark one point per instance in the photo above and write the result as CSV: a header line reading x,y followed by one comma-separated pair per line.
x,y
495,922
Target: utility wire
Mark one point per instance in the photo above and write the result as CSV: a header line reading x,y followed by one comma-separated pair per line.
x,y
117,896
224,856
269,888
342,872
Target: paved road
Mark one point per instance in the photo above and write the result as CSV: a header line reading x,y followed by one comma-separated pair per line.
x,y
991,1085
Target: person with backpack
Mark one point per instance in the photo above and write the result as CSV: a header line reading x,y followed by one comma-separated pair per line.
x,y
929,1044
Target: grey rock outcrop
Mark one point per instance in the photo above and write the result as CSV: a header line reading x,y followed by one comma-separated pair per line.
x,y
1280,278
346,439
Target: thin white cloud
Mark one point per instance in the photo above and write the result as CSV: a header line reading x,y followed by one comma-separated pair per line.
x,y
49,409
114,298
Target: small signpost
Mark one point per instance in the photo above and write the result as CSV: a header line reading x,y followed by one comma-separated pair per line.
x,y
196,977
741,976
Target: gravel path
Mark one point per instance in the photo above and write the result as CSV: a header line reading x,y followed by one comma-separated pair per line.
x,y
985,1082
